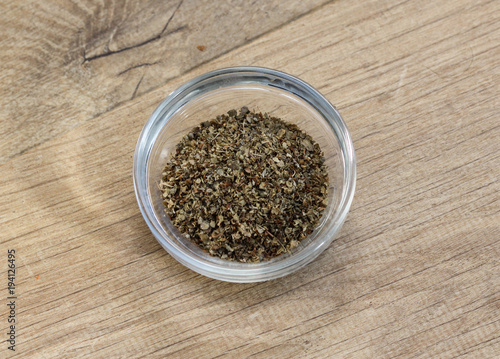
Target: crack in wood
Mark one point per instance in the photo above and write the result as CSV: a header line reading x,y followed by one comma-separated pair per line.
x,y
145,42
137,66
137,87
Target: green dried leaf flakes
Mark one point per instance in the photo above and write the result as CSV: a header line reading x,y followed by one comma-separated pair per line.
x,y
245,186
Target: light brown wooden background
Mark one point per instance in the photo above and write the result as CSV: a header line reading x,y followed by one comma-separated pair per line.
x,y
415,271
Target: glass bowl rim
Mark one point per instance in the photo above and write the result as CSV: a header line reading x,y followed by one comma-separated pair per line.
x,y
252,272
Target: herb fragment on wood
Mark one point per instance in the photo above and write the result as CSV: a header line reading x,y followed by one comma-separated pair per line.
x,y
245,186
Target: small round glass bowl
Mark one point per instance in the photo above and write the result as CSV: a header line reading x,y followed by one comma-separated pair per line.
x,y
261,90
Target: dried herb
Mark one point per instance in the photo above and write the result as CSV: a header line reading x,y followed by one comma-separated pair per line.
x,y
245,186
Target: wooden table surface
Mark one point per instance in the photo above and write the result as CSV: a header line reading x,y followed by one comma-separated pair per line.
x,y
415,271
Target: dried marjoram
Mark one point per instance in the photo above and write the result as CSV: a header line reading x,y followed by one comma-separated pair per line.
x,y
245,187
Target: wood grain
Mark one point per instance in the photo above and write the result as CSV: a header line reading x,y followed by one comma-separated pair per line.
x,y
414,273
63,63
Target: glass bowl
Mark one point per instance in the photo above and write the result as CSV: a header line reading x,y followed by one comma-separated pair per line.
x,y
261,90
